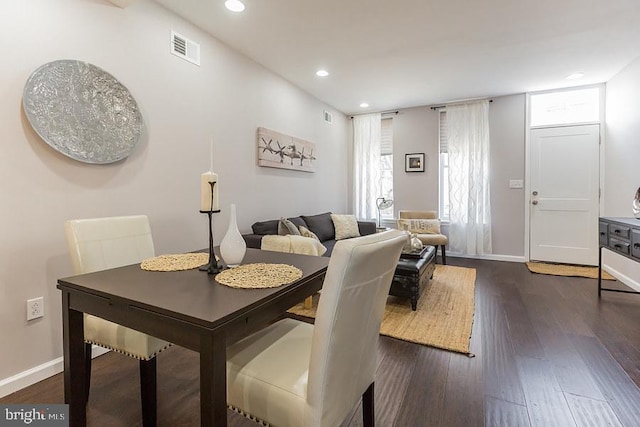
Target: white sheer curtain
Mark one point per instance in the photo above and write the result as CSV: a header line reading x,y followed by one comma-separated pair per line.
x,y
366,164
468,148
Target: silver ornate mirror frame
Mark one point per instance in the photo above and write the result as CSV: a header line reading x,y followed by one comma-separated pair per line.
x,y
82,111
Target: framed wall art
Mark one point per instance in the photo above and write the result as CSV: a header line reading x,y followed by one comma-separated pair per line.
x,y
414,162
277,150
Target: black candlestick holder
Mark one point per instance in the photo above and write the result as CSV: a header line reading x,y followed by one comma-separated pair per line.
x,y
214,266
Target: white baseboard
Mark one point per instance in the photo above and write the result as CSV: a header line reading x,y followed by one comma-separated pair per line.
x,y
621,277
30,376
490,257
38,373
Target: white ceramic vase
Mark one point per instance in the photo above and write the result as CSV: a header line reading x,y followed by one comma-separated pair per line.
x,y
233,246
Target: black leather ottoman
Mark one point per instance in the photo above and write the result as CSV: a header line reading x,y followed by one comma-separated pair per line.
x,y
413,274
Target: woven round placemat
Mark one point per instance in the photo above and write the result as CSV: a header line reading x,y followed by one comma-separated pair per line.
x,y
175,262
259,275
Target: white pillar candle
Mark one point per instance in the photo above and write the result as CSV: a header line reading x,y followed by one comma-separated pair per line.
x,y
209,201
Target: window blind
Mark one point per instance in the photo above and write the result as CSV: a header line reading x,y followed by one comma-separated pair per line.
x,y
444,137
386,137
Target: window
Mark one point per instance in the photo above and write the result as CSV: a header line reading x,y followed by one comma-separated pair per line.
x,y
444,168
565,107
386,166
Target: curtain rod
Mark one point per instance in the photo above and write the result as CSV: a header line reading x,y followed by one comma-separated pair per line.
x,y
383,112
438,107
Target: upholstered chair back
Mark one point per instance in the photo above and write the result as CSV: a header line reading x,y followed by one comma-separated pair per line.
x,y
345,336
417,214
101,243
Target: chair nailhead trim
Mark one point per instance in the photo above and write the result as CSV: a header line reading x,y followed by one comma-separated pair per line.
x,y
248,415
117,350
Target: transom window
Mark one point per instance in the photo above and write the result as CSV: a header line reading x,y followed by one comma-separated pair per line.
x,y
564,107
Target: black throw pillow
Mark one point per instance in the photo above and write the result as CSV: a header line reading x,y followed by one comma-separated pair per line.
x,y
321,225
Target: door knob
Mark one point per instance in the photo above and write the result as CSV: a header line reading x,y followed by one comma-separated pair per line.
x,y
535,202
535,193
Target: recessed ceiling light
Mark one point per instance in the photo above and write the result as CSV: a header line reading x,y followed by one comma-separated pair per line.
x,y
322,73
364,105
234,5
575,76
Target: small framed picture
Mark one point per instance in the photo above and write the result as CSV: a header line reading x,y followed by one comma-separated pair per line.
x,y
414,162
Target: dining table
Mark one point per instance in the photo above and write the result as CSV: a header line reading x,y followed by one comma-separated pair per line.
x,y
187,308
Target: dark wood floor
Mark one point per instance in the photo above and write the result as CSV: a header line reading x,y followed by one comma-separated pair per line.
x,y
548,353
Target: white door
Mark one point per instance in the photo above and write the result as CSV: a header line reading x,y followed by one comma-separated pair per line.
x,y
563,203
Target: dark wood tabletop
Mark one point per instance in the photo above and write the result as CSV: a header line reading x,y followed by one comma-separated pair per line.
x,y
188,308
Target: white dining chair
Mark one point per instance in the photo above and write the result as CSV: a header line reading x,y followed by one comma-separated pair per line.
x,y
99,244
297,374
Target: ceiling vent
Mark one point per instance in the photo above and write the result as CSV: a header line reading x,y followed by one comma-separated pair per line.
x,y
328,117
185,48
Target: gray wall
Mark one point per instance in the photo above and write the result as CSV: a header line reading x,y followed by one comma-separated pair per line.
x,y
183,105
415,130
507,129
621,160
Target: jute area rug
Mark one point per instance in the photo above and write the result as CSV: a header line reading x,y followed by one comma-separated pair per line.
x,y
567,270
444,316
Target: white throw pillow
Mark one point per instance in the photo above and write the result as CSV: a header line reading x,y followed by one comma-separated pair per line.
x,y
420,226
346,226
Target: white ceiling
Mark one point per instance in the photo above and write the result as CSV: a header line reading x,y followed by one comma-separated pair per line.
x,y
403,53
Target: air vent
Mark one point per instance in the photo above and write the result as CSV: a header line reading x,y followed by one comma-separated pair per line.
x,y
328,117
185,48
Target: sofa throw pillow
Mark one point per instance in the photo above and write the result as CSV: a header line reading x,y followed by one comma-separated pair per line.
x,y
321,225
305,232
286,227
265,227
346,226
420,226
297,221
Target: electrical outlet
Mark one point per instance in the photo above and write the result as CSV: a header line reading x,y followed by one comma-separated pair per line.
x,y
35,308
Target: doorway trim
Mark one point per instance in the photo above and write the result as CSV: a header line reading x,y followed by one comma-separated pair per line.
x,y
527,154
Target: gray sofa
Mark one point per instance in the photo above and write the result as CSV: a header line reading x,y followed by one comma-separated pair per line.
x,y
320,224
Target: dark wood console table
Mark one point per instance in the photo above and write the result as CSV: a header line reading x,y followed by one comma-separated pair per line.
x,y
621,236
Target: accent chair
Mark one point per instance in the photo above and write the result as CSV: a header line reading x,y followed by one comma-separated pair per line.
x,y
426,227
